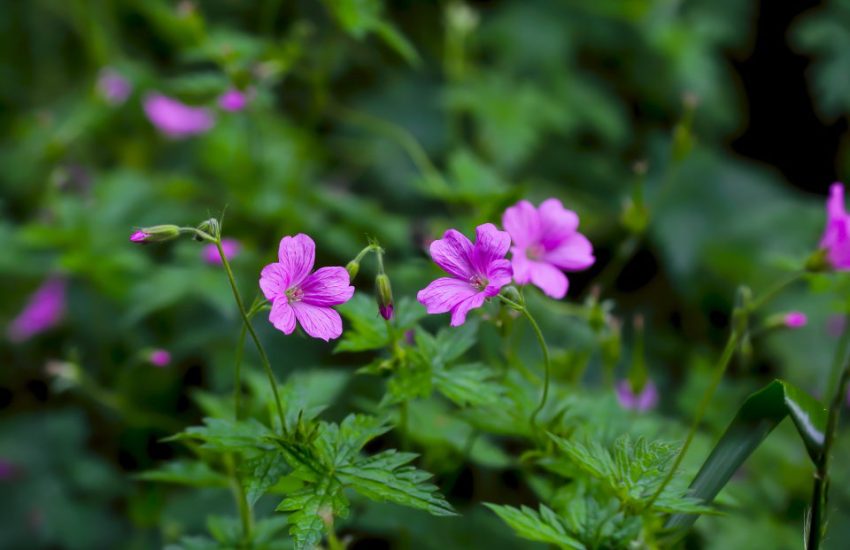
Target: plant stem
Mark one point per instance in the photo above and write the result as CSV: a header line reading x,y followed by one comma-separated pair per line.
x,y
237,382
719,370
774,291
245,515
838,358
263,357
820,490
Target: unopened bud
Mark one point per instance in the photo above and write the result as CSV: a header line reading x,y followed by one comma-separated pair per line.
x,y
385,296
511,293
353,268
155,234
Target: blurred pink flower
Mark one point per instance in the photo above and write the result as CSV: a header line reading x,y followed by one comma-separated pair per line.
x,y
477,271
176,119
138,237
836,235
160,358
43,311
546,242
113,87
795,319
233,100
645,400
295,293
7,469
229,246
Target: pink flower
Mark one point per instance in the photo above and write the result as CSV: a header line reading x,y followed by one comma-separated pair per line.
x,y
138,237
160,358
295,293
836,235
233,100
546,241
43,311
477,271
795,319
229,246
176,119
112,87
645,400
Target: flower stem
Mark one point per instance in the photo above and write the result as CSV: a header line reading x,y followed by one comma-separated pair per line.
x,y
245,515
237,382
820,489
247,322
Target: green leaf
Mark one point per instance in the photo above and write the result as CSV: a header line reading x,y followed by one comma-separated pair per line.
x,y
757,417
470,384
312,509
544,526
226,435
262,472
387,476
367,330
186,472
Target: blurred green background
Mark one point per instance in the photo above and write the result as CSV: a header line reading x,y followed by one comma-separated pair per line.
x,y
398,120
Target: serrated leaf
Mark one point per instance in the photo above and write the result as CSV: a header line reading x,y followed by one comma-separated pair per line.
x,y
387,476
186,472
262,472
466,385
311,509
544,526
226,435
367,330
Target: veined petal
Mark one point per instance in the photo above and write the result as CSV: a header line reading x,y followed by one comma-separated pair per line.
x,y
490,245
522,223
520,265
460,310
556,223
549,279
282,316
444,294
297,255
499,273
328,286
452,253
317,321
574,253
273,281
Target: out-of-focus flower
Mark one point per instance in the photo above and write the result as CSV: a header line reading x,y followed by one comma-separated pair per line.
x,y
113,87
7,469
155,234
384,295
138,237
477,271
795,319
295,293
233,100
642,401
230,247
43,311
546,242
176,119
836,235
160,357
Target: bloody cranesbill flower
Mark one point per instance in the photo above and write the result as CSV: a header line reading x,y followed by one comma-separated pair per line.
x,y
295,293
139,237
113,87
546,241
836,235
160,357
43,310
795,319
644,400
176,119
477,271
233,100
229,246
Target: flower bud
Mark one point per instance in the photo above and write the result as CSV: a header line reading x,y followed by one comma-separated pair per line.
x,y
385,296
155,234
159,357
353,268
511,293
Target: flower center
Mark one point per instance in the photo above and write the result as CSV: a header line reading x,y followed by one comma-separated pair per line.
x,y
479,282
535,252
294,294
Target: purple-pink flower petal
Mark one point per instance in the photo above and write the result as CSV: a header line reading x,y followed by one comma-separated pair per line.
x,y
43,311
317,321
522,222
460,310
282,316
556,222
113,87
230,247
645,400
549,279
176,119
297,255
160,358
573,253
836,235
274,281
444,294
795,319
233,100
452,253
490,245
327,286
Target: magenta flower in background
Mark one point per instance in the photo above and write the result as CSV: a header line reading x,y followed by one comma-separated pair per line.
x,y
546,242
836,235
233,100
295,293
795,319
138,237
176,119
113,87
160,358
43,311
477,271
230,247
645,400
7,469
